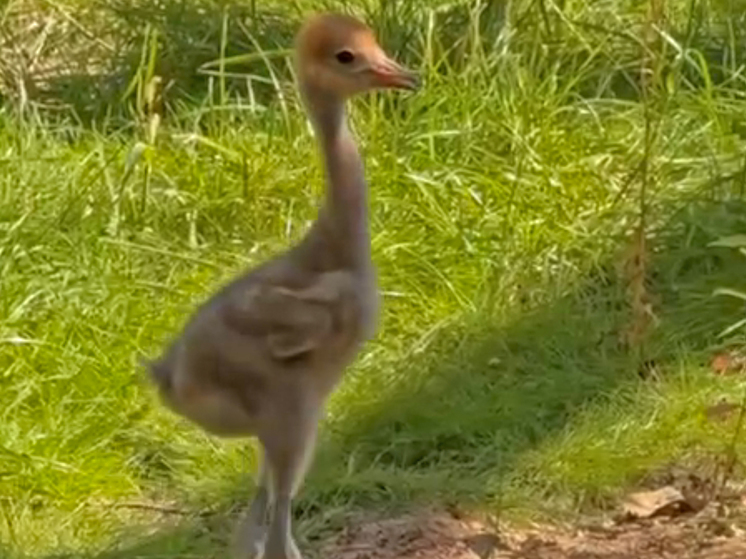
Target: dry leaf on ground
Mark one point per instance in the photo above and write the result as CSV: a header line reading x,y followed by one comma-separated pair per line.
x,y
646,504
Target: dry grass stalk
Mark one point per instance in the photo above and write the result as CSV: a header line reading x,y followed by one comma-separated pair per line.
x,y
637,259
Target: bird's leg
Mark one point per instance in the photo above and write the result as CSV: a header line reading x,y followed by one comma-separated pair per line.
x,y
288,453
253,528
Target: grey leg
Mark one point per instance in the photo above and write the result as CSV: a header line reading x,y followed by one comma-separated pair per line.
x,y
249,542
288,457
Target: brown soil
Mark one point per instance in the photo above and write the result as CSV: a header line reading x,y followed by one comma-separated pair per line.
x,y
677,514
709,534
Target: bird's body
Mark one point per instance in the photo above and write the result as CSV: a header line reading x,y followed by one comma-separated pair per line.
x,y
261,356
294,319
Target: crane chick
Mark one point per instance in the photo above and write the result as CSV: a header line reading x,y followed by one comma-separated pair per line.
x,y
262,355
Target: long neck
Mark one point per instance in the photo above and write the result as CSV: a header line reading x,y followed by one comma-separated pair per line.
x,y
345,211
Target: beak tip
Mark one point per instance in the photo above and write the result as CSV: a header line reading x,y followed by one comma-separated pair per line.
x,y
391,75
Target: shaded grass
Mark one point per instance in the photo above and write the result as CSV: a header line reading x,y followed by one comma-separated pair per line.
x,y
502,197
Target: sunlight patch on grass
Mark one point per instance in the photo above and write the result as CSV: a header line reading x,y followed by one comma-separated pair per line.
x,y
634,432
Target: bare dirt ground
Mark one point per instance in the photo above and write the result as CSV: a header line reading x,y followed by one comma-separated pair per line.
x,y
439,535
695,512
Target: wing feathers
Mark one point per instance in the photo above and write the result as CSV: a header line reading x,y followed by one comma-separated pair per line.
x,y
293,322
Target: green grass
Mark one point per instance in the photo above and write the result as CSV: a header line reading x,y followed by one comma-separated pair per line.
x,y
503,199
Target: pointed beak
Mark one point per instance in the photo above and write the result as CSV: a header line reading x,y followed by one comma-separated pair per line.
x,y
391,75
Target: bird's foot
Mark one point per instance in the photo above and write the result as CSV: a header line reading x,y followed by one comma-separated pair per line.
x,y
282,550
249,541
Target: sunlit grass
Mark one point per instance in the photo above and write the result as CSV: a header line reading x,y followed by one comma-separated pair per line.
x,y
502,199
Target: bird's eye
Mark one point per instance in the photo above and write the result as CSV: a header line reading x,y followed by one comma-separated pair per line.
x,y
345,57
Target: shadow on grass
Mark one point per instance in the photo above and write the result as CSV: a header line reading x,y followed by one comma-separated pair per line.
x,y
177,37
482,393
90,66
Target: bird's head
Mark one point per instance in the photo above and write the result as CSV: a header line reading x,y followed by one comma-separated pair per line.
x,y
338,55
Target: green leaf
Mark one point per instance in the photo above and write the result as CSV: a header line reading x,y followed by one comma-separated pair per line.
x,y
730,293
733,327
733,241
